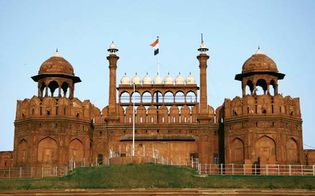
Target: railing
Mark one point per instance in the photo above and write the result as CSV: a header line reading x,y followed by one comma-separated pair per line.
x,y
30,172
167,99
203,169
249,169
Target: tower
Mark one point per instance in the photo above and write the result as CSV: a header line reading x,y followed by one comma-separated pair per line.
x,y
112,59
56,73
262,127
203,105
53,128
259,71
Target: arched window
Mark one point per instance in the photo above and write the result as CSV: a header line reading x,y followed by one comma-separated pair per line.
x,y
272,88
135,97
53,85
65,87
249,88
124,97
42,88
157,97
179,97
191,97
261,87
146,97
168,97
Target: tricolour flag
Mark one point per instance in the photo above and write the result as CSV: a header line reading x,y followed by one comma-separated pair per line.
x,y
155,45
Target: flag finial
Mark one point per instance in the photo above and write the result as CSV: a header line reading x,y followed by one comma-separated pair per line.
x,y
203,48
112,49
57,53
202,38
258,50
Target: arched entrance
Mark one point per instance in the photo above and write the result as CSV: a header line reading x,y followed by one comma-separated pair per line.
x,y
237,151
76,151
22,151
266,150
47,151
292,151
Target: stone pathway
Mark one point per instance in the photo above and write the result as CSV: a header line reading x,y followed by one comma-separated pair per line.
x,y
188,191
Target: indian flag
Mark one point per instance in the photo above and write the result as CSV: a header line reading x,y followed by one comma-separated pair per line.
x,y
155,45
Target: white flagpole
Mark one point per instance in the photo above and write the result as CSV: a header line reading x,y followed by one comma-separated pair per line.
x,y
158,62
133,120
158,56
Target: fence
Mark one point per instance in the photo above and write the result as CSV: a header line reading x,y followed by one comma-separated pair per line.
x,y
30,172
248,169
203,169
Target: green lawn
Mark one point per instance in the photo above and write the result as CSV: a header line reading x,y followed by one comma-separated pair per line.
x,y
154,176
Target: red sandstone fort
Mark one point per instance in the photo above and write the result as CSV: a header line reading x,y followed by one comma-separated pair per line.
x,y
170,117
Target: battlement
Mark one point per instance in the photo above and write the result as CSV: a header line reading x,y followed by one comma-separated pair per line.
x,y
159,115
56,107
262,104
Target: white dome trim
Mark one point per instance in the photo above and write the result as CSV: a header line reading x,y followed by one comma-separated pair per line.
x,y
146,79
168,79
190,79
136,79
157,79
180,79
125,79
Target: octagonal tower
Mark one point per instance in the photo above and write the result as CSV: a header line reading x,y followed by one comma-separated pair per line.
x,y
262,127
54,128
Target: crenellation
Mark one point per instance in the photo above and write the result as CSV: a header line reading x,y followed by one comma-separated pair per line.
x,y
51,107
262,105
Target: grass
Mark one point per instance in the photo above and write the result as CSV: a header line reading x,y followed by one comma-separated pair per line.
x,y
154,176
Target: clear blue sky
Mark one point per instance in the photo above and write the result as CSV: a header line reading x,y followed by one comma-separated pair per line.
x,y
30,31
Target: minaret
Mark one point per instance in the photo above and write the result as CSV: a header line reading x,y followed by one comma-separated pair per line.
x,y
203,58
112,59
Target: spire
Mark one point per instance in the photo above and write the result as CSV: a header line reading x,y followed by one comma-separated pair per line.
x,y
202,38
203,48
112,48
56,54
258,50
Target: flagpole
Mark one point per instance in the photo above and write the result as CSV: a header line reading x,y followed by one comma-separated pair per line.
x,y
158,63
158,55
133,121
155,45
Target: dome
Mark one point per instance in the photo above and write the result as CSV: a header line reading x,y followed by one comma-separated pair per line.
x,y
56,65
112,49
136,79
125,79
168,79
180,79
190,79
157,79
112,46
259,62
146,79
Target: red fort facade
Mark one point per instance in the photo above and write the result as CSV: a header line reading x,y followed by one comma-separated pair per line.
x,y
171,119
